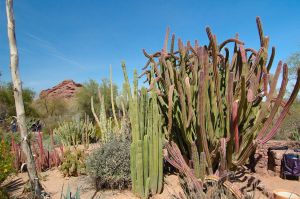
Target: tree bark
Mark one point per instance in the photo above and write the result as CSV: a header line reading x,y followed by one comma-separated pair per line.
x,y
17,85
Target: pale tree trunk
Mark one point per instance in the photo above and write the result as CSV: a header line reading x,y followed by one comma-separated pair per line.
x,y
17,85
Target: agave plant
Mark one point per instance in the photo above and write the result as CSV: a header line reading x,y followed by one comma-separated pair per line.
x,y
220,103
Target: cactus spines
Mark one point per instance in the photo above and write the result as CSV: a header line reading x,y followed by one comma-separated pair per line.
x,y
202,166
112,100
208,94
146,147
196,160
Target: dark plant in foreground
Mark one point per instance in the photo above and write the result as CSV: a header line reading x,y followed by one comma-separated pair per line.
x,y
224,104
211,186
109,165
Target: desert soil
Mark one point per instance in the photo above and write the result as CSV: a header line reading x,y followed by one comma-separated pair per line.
x,y
55,184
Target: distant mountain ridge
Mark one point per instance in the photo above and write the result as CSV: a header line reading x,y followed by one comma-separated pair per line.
x,y
64,90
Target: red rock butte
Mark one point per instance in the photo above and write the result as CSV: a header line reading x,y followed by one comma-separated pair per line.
x,y
64,90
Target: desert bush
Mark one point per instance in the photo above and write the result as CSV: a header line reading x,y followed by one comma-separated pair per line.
x,y
290,129
109,165
50,141
52,111
73,163
90,89
6,161
7,102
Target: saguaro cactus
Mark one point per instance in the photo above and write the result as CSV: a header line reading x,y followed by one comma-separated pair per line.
x,y
147,140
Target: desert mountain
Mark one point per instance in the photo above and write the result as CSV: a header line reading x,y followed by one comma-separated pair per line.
x,y
64,90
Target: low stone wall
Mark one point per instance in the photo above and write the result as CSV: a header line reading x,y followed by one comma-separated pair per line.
x,y
274,161
263,165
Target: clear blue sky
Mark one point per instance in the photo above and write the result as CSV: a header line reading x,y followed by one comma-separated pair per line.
x,y
79,39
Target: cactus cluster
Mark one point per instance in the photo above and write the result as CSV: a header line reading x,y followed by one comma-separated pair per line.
x,y
75,132
219,103
146,158
73,163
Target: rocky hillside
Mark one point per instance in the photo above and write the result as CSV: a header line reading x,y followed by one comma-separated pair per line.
x,y
64,90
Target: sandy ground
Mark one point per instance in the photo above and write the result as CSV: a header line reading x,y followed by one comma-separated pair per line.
x,y
268,183
54,183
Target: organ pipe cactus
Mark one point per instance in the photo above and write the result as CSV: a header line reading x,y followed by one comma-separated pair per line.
x,y
147,139
226,104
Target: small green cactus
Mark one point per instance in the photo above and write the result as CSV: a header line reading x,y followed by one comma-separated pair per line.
x,y
73,163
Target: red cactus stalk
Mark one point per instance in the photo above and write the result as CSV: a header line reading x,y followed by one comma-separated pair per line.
x,y
235,125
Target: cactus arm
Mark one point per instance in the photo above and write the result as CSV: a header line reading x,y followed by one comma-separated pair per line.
x,y
260,31
221,46
165,49
274,81
94,113
201,112
112,99
170,109
271,58
277,102
285,110
196,160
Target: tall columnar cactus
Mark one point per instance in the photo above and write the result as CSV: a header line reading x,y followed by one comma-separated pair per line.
x,y
226,104
147,140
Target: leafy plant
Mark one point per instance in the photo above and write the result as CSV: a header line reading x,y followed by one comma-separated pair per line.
x,y
7,103
109,165
6,161
73,163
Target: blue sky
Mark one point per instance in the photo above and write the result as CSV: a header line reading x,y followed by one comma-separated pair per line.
x,y
79,39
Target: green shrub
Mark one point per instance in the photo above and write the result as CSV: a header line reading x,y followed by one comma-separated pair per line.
x,y
6,161
290,128
73,163
110,164
295,135
3,194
